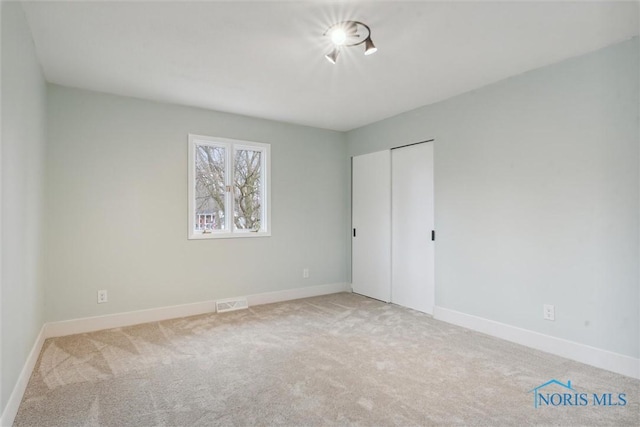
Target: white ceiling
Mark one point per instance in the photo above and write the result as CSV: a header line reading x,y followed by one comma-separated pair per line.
x,y
266,59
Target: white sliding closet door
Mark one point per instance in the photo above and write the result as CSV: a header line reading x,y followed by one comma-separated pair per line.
x,y
371,222
412,219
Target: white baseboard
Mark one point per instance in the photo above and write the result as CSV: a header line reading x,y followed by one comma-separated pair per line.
x,y
13,404
89,324
96,323
593,356
291,294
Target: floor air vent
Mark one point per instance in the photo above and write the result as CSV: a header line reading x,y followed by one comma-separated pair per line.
x,y
231,304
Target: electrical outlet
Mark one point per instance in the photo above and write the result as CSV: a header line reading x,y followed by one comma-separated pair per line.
x,y
305,273
102,296
548,312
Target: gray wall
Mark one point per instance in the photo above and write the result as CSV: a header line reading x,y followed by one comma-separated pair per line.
x,y
23,149
117,207
537,190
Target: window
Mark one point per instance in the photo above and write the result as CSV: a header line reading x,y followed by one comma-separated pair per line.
x,y
228,188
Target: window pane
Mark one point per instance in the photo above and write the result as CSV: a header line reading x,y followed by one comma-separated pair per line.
x,y
247,189
210,188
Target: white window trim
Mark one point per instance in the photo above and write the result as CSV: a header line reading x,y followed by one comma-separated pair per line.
x,y
231,146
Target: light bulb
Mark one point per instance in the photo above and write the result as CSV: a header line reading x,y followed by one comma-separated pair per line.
x,y
338,36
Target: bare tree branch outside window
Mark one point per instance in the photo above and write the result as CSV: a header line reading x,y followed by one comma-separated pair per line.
x,y
247,190
210,187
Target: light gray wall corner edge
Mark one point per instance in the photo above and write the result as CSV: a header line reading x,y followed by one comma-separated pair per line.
x,y
23,151
537,195
2,403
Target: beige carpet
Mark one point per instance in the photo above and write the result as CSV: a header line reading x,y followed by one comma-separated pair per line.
x,y
334,360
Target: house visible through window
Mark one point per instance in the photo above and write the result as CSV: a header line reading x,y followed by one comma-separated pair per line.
x,y
228,188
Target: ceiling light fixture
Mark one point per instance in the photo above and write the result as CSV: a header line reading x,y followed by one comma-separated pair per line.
x,y
349,34
333,55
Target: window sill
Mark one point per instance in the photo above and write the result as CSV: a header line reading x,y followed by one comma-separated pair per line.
x,y
249,234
